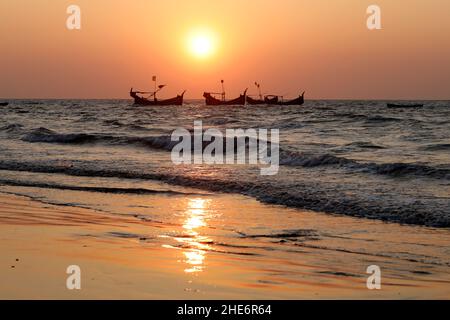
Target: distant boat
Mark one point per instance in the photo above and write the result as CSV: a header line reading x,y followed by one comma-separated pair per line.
x,y
295,102
177,101
397,105
3,104
274,99
212,101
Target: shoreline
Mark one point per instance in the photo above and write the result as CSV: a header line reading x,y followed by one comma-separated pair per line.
x,y
306,201
126,257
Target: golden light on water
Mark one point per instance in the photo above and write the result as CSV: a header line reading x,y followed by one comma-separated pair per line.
x,y
197,245
195,260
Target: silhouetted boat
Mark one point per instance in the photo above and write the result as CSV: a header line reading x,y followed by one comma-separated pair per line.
x,y
211,101
398,105
177,101
275,100
3,104
295,102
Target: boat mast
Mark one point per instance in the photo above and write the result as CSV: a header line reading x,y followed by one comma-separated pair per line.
x,y
223,91
258,85
154,82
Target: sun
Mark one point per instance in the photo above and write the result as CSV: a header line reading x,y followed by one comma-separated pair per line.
x,y
201,44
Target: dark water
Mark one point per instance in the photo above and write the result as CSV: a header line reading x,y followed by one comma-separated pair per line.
x,y
355,158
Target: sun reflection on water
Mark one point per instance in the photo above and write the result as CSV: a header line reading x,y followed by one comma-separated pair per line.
x,y
195,244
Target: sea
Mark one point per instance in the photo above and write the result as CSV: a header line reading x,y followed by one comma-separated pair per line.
x,y
351,158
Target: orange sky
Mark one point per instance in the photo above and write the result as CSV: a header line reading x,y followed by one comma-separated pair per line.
x,y
320,46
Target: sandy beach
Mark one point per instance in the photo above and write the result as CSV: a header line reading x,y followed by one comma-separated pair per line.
x,y
130,257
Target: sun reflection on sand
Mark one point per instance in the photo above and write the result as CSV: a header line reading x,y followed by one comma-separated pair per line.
x,y
194,243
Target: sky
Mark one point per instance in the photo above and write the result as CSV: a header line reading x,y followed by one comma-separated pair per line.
x,y
322,47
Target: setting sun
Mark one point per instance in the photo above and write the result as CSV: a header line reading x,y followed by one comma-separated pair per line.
x,y
201,44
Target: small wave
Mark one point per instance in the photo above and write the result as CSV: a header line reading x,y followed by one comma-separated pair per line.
x,y
402,169
302,196
379,118
49,136
113,122
295,159
298,233
12,128
437,147
133,126
370,119
163,142
287,158
138,191
125,235
392,169
364,145
355,116
138,127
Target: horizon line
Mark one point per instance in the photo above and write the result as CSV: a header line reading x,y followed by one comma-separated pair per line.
x,y
202,98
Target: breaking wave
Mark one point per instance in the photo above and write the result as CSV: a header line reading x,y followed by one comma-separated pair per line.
x,y
287,158
303,196
142,191
48,136
391,169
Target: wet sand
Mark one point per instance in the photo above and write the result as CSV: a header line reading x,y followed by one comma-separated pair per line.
x,y
203,253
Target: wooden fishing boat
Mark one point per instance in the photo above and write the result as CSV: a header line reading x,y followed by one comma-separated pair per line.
x,y
295,102
274,99
211,101
398,105
138,100
3,104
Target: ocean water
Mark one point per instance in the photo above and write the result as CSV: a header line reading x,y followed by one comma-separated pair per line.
x,y
356,158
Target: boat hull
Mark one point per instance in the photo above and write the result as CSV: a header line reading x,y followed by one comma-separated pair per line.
x,y
296,102
274,100
211,101
140,101
400,106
